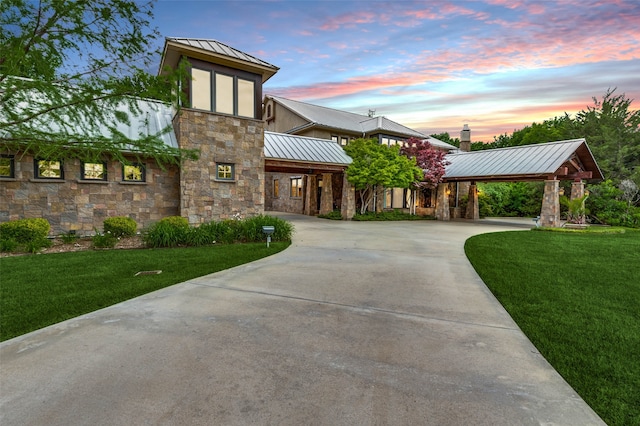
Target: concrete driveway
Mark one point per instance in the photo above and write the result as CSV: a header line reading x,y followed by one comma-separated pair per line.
x,y
355,324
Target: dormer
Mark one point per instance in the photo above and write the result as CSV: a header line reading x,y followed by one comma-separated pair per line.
x,y
223,80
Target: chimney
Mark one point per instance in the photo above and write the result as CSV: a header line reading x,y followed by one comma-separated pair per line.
x,y
465,138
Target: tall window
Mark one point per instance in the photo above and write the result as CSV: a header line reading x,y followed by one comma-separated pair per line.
x,y
94,171
201,89
47,169
276,188
224,171
296,187
344,141
7,166
133,173
224,90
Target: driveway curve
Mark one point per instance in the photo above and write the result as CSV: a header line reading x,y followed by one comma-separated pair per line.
x,y
357,323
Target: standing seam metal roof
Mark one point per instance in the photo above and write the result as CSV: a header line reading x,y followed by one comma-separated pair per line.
x,y
280,146
529,160
221,49
344,120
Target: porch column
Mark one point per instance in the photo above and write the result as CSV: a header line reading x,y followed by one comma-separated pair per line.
x,y
577,189
326,198
310,185
473,211
442,202
550,213
348,208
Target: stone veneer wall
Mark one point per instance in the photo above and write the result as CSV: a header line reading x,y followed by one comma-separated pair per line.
x,y
79,205
220,139
284,202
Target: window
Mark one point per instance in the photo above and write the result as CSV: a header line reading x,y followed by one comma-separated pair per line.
x,y
94,171
334,138
276,188
201,89
224,93
225,90
133,172
296,187
344,141
224,171
47,169
7,166
246,98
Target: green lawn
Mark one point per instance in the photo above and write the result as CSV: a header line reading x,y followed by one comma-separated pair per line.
x,y
577,297
39,290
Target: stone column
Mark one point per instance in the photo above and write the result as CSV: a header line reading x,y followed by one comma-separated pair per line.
x,y
348,208
310,185
442,202
326,199
577,189
473,211
550,213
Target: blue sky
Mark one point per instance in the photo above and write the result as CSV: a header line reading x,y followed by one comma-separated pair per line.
x,y
497,65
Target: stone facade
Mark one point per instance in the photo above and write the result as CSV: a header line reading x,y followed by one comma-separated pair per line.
x,y
550,212
73,204
220,139
282,201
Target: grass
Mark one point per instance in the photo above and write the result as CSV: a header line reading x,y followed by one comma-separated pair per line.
x,y
40,290
577,297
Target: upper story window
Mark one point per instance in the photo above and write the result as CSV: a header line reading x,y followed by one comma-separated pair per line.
x,y
94,171
344,141
224,90
134,172
48,169
7,166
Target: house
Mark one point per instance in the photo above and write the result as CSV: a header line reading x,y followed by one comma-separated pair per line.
x,y
256,153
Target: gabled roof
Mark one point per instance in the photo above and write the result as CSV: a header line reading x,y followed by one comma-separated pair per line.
x,y
563,159
216,52
280,146
343,120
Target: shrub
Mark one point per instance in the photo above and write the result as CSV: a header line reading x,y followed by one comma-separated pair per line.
x,y
120,226
37,244
106,240
251,229
69,237
203,235
8,245
334,215
170,231
24,231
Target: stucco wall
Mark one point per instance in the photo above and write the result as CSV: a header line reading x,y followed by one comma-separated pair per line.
x,y
74,204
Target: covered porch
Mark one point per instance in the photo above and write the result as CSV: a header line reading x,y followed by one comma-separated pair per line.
x,y
549,162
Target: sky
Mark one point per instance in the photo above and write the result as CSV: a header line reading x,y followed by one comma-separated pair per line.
x,y
496,65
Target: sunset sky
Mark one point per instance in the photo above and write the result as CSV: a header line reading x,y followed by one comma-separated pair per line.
x,y
497,65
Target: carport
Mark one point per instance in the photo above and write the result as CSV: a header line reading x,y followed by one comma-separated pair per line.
x,y
549,162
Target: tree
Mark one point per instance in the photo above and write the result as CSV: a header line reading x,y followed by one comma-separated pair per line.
x,y
612,131
374,165
446,137
431,161
72,71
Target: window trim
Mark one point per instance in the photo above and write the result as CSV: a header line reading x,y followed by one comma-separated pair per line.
x,y
143,169
83,175
232,171
12,167
36,170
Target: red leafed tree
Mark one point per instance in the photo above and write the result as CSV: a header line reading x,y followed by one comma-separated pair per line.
x,y
430,160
